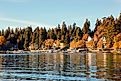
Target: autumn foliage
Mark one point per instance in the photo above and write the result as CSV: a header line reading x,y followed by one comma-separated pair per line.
x,y
49,43
85,36
78,44
2,40
73,35
90,44
57,42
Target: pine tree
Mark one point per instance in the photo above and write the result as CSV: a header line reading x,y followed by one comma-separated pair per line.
x,y
21,42
86,26
70,30
28,37
98,23
67,38
36,35
79,33
58,32
0,33
64,29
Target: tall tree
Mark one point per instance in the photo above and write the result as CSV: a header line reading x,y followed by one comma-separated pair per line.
x,y
73,29
79,33
0,33
98,23
67,38
86,26
28,37
42,36
58,32
64,29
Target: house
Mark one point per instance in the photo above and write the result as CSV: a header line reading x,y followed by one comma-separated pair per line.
x,y
89,39
89,42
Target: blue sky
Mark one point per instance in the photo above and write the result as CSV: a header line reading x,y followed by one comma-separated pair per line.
x,y
49,13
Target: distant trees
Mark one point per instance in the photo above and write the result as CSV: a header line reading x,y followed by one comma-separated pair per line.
x,y
23,38
109,28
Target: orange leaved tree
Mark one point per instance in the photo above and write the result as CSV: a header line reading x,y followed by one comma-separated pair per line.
x,y
2,40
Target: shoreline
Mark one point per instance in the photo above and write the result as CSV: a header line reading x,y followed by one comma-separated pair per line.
x,y
62,51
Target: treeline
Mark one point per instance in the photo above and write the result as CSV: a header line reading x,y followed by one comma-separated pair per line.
x,y
22,38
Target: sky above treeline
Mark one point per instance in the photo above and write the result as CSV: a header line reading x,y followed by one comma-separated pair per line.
x,y
50,13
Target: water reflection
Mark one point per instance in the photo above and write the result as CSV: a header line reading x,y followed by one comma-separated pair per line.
x,y
61,66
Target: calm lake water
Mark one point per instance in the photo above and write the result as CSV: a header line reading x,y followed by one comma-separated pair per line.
x,y
60,67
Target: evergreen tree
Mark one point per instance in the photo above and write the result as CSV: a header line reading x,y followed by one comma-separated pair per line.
x,y
20,42
36,35
86,26
67,38
42,36
98,23
0,33
79,33
64,29
110,28
45,33
28,37
52,35
7,32
17,33
58,32
73,30
70,30
74,27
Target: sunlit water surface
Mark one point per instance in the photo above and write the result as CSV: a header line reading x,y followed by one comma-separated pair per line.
x,y
60,67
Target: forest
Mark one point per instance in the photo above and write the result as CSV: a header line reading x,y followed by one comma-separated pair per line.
x,y
71,36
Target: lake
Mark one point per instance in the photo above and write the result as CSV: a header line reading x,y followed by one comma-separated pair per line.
x,y
60,67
